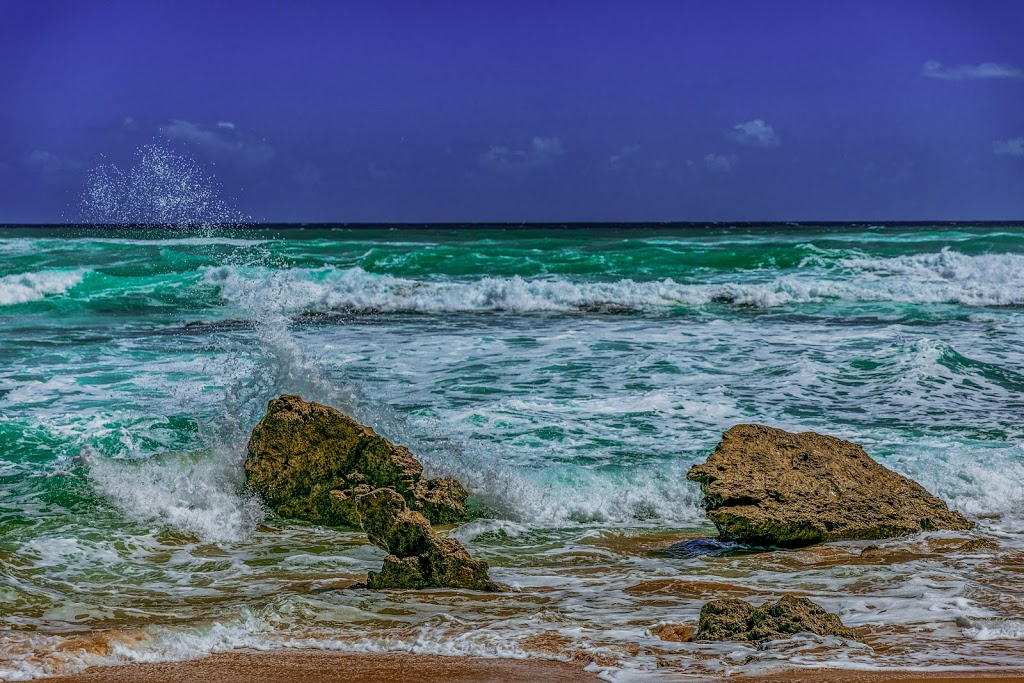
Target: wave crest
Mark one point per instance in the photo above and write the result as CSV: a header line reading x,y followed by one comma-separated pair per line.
x,y
947,277
25,287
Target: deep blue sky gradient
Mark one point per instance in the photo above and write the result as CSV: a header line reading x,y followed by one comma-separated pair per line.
x,y
526,111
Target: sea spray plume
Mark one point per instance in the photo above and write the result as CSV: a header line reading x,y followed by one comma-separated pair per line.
x,y
162,188
165,189
197,493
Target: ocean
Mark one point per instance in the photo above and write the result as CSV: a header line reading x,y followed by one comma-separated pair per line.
x,y
568,375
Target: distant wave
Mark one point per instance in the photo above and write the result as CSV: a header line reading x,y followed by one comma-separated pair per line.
x,y
183,241
26,287
944,277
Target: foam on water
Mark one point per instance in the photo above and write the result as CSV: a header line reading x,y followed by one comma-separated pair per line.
x,y
25,287
195,495
1009,629
947,278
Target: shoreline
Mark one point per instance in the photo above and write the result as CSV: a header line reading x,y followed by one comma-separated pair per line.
x,y
337,667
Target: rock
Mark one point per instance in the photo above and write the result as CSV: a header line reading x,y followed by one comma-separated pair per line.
x,y
726,619
418,557
734,619
309,461
673,633
766,486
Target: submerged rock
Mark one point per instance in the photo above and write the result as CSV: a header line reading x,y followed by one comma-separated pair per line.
x,y
734,619
766,486
418,557
673,633
309,461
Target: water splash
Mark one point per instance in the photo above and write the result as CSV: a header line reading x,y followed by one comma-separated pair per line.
x,y
162,188
197,494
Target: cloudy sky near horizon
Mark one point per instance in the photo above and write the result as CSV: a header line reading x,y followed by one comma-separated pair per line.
x,y
526,111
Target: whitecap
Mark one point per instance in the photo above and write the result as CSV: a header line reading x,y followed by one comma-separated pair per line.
x,y
26,287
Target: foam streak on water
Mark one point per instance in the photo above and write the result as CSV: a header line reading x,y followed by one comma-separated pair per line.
x,y
569,377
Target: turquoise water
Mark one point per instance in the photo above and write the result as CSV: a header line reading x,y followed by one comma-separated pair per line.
x,y
568,376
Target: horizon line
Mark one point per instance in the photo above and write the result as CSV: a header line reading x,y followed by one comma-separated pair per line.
x,y
527,224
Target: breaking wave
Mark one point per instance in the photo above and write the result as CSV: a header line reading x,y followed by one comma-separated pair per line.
x,y
26,287
944,278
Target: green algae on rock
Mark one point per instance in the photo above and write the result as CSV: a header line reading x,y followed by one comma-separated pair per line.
x,y
418,557
770,487
309,461
735,619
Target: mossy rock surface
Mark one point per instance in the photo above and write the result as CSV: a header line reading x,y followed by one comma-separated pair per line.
x,y
418,557
769,487
735,619
310,461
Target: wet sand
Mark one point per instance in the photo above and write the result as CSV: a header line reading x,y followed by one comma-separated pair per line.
x,y
840,676
328,667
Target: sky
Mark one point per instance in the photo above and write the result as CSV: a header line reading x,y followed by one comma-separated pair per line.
x,y
443,111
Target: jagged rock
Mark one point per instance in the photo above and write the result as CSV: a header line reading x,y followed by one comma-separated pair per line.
x,y
766,486
418,557
734,619
309,461
726,619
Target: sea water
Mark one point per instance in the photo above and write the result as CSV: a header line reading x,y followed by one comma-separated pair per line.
x,y
569,376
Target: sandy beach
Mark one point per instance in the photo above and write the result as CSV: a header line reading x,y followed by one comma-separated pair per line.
x,y
297,666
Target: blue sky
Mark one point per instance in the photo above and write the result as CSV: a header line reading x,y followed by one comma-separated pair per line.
x,y
526,111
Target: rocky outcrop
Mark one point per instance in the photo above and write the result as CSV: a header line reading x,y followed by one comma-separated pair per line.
x,y
766,486
309,461
735,619
418,557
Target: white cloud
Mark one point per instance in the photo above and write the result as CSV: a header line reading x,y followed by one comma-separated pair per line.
x,y
720,163
541,152
309,174
1014,147
129,123
627,151
971,72
755,133
222,141
49,163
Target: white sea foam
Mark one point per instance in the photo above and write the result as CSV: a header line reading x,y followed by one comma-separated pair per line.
x,y
195,495
25,287
570,495
1006,629
945,277
250,630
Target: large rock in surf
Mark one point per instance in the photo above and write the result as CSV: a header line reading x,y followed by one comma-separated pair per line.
x,y
418,557
766,486
309,461
735,619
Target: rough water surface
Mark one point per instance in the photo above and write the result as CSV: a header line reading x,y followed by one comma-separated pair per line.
x,y
568,377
